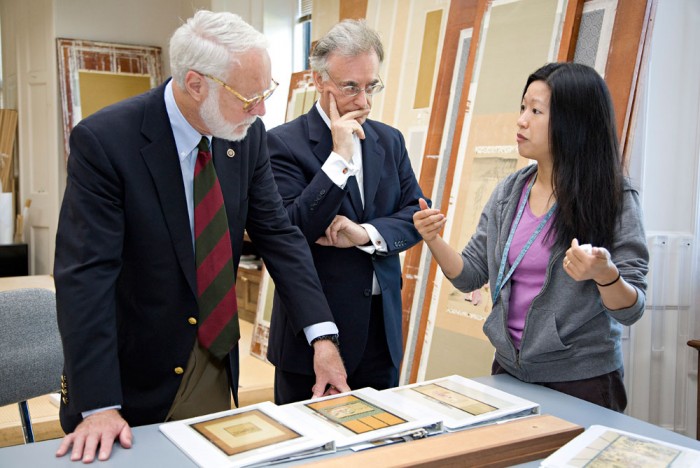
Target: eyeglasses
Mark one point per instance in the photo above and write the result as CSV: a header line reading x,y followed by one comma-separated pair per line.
x,y
354,90
248,104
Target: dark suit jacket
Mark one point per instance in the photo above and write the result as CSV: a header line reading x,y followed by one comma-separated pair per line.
x,y
125,269
298,149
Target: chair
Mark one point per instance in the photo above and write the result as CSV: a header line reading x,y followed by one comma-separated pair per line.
x,y
31,356
696,344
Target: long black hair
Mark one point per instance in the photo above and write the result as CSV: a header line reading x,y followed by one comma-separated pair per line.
x,y
587,166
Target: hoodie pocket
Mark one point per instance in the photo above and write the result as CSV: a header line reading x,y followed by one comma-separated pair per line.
x,y
542,342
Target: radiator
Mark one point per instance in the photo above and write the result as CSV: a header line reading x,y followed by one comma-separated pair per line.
x,y
660,369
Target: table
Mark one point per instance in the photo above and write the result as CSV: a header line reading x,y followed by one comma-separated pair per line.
x,y
35,281
151,448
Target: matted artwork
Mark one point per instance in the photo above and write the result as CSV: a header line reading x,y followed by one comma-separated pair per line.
x,y
601,446
412,39
454,399
93,75
364,416
355,414
241,432
461,402
516,38
595,32
256,435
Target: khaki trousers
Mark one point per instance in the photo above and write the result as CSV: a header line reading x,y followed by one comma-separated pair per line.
x,y
204,388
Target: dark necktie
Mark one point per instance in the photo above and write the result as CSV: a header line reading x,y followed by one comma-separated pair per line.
x,y
218,321
355,197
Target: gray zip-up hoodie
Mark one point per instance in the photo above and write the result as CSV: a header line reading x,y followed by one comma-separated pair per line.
x,y
569,334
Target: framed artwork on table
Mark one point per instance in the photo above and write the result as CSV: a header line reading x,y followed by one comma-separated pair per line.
x,y
238,433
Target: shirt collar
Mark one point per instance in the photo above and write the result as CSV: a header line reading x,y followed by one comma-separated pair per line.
x,y
186,137
323,114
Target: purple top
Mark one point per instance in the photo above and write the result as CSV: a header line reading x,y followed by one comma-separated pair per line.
x,y
528,278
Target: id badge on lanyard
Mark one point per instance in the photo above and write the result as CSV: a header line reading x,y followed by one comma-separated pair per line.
x,y
501,280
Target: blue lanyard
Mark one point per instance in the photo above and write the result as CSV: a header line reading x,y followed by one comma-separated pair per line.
x,y
501,281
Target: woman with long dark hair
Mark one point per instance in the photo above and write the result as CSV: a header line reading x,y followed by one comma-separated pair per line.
x,y
560,242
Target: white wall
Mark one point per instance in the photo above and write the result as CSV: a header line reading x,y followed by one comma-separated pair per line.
x,y
670,139
135,22
278,25
661,369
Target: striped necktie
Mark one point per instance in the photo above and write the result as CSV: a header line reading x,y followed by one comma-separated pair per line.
x,y
218,322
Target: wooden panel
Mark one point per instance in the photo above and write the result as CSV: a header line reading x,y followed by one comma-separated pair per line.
x,y
506,444
419,352
352,9
8,132
630,31
247,289
572,21
462,14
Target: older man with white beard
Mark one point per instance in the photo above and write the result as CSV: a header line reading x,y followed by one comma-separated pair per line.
x,y
159,192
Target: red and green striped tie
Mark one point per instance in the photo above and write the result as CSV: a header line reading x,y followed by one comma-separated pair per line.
x,y
218,322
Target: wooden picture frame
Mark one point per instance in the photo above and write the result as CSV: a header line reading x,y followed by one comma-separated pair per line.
x,y
263,315
94,74
302,94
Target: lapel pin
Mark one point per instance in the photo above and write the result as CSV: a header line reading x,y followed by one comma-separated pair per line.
x,y
230,153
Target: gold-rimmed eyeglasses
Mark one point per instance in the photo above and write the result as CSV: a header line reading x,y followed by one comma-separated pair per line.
x,y
354,90
248,104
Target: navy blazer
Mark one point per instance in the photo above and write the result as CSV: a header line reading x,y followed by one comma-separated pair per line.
x,y
125,270
298,149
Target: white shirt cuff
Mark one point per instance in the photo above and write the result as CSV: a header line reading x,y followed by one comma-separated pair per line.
x,y
85,414
320,329
378,242
338,169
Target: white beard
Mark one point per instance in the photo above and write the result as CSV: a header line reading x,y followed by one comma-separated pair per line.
x,y
211,115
